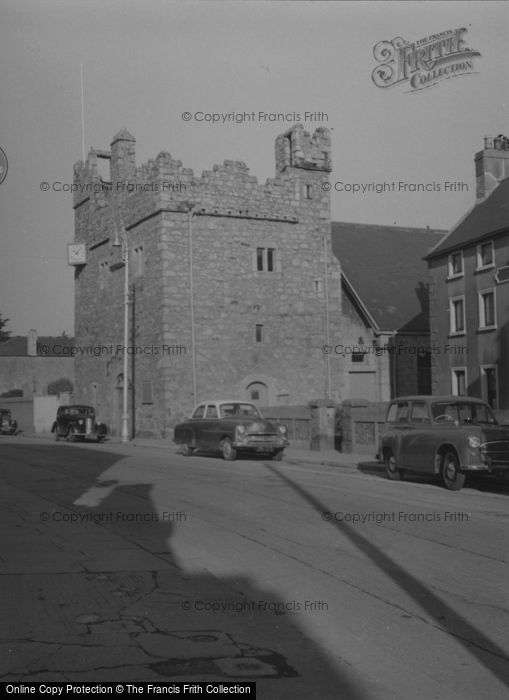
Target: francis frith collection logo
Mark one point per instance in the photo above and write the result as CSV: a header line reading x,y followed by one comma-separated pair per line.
x,y
425,62
3,165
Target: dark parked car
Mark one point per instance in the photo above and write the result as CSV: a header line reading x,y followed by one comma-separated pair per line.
x,y
231,428
450,436
8,426
78,423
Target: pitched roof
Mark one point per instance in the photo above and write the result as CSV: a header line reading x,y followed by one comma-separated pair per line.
x,y
384,267
47,346
485,219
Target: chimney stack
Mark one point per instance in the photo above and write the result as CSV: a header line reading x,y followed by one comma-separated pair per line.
x,y
32,343
491,165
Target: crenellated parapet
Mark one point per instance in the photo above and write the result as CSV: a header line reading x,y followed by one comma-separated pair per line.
x,y
134,193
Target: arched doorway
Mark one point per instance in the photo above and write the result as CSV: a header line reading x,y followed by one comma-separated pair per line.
x,y
258,393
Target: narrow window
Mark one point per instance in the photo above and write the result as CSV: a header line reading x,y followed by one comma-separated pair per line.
x,y
259,333
459,382
455,264
270,259
487,309
485,257
457,319
259,259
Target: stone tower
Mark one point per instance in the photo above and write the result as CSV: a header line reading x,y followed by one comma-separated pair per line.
x,y
229,292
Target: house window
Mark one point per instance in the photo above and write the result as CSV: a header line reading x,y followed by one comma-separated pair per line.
x,y
487,309
457,315
309,192
259,333
489,385
266,259
455,264
138,261
146,392
318,286
485,255
459,381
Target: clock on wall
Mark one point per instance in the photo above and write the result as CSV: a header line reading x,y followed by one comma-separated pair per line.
x,y
77,254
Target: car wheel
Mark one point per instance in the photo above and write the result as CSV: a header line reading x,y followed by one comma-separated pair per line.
x,y
228,450
277,456
186,449
391,468
453,479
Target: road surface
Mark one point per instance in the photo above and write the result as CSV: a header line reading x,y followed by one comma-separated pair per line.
x,y
124,563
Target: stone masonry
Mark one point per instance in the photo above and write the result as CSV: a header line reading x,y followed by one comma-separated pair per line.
x,y
254,256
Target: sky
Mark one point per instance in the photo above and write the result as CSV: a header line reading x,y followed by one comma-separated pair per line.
x,y
147,63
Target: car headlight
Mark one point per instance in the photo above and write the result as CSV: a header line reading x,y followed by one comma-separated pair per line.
x,y
240,432
474,441
283,429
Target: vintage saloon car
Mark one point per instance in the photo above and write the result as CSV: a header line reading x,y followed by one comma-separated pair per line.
x,y
8,426
78,423
449,436
232,428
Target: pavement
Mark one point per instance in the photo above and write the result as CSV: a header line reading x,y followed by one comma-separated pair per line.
x,y
330,458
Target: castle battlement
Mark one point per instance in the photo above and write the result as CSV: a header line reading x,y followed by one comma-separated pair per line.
x,y
228,189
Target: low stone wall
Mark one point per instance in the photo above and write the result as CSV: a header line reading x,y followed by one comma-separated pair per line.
x,y
361,422
297,420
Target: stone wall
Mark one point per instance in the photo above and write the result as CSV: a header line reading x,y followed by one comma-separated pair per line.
x,y
361,423
297,420
33,374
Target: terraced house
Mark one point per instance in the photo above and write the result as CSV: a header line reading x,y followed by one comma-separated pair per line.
x,y
469,292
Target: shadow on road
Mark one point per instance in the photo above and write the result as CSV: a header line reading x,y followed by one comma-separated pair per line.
x,y
115,605
478,645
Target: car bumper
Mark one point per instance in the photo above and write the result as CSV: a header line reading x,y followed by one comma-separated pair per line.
x,y
488,467
258,445
85,436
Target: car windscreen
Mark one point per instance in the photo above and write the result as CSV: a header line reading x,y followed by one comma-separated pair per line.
x,y
239,410
463,413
